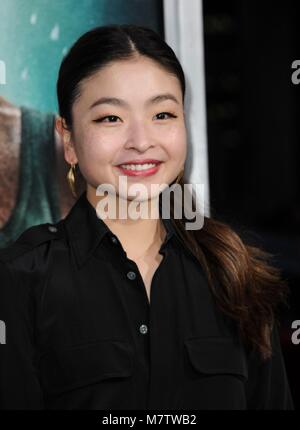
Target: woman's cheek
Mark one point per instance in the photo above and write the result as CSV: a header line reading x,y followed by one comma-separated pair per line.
x,y
178,144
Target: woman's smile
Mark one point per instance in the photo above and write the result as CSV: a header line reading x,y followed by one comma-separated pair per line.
x,y
143,169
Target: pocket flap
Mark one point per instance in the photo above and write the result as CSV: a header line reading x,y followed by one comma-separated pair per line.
x,y
85,364
214,355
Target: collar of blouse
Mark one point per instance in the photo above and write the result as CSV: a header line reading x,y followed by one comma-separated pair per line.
x,y
85,230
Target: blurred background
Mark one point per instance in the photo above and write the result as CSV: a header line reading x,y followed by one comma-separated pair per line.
x,y
244,126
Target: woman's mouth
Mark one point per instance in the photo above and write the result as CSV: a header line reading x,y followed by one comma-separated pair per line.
x,y
143,169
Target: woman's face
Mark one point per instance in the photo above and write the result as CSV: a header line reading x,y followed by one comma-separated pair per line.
x,y
107,134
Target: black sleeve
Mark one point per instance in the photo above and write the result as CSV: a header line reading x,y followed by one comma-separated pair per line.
x,y
267,385
19,383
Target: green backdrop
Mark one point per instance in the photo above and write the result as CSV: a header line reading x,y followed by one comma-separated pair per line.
x,y
35,34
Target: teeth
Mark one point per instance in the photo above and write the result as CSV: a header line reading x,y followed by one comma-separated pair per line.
x,y
137,166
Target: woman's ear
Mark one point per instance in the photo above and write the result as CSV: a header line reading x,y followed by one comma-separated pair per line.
x,y
65,135
60,126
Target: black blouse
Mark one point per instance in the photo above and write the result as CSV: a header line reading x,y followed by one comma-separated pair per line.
x,y
81,334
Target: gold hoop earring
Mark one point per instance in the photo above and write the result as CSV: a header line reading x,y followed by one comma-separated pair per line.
x,y
71,179
179,176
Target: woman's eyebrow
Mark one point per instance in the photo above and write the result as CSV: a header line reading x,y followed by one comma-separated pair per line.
x,y
119,102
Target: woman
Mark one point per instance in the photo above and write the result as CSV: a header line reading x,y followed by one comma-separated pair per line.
x,y
125,313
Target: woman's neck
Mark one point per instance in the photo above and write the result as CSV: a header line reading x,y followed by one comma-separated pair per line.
x,y
139,237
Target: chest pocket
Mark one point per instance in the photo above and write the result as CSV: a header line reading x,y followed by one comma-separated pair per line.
x,y
216,355
215,372
66,369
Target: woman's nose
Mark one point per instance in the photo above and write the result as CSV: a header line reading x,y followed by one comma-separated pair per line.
x,y
139,137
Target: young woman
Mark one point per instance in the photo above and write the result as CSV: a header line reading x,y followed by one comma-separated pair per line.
x,y
134,313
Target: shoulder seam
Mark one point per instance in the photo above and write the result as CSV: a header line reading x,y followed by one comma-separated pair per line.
x,y
31,238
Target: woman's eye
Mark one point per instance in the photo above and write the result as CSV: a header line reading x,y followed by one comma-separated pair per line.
x,y
166,113
104,117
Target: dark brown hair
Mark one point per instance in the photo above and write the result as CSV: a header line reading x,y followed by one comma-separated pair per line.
x,y
245,286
